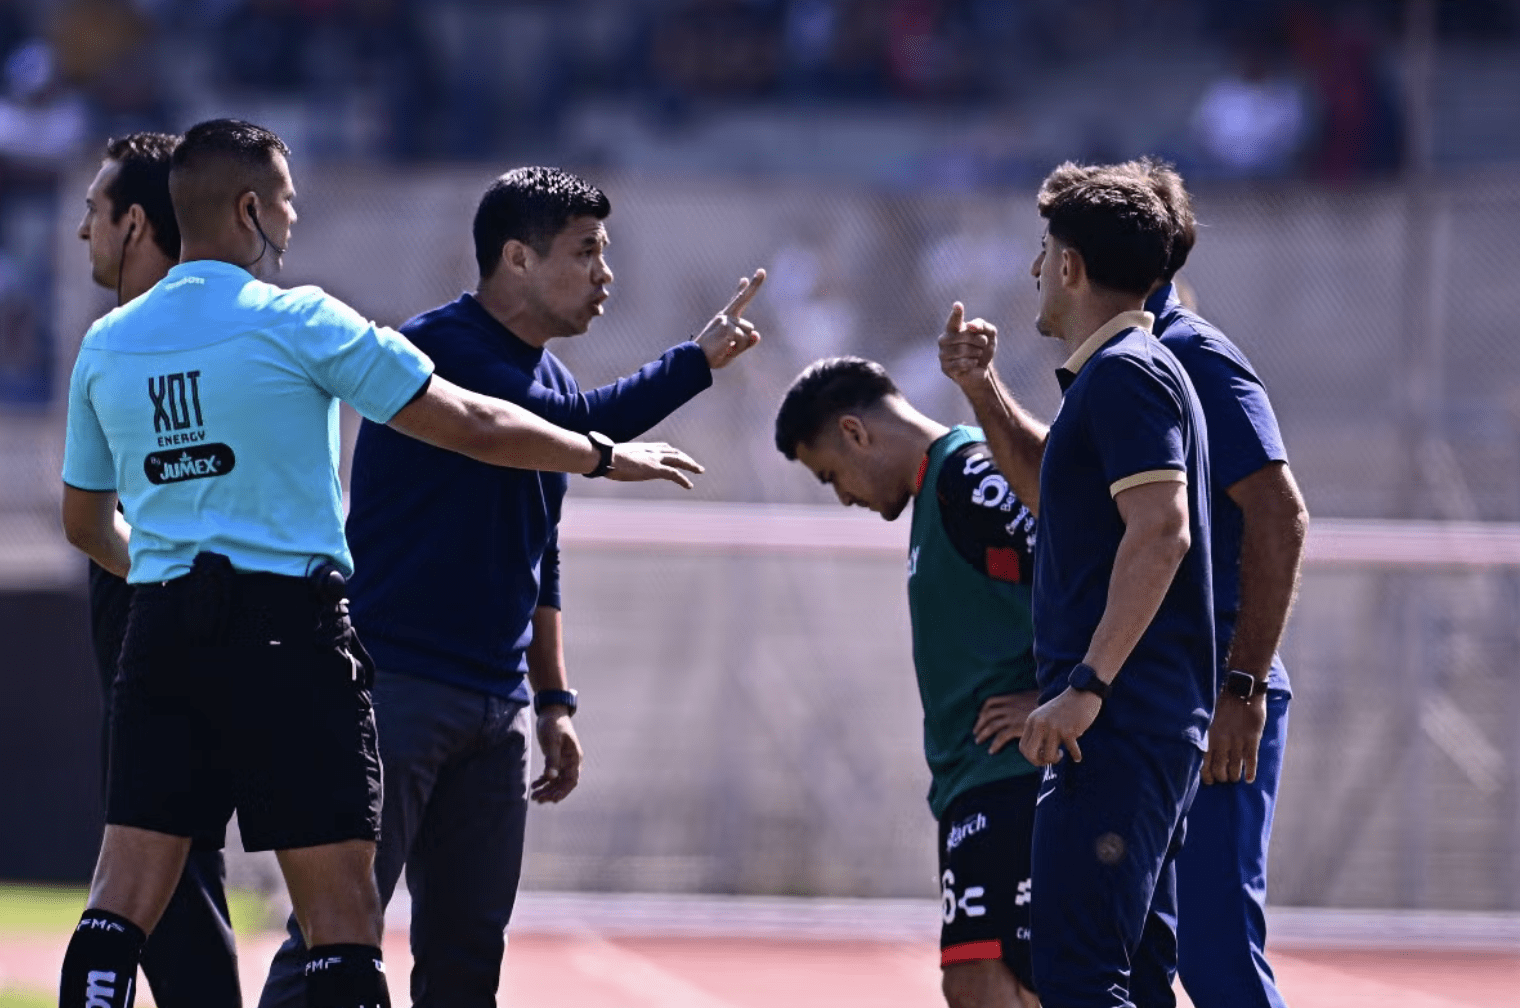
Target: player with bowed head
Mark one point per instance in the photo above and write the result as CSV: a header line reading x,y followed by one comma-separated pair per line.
x,y
969,568
208,408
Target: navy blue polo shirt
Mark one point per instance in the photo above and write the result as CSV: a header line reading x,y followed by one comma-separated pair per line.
x,y
1243,437
452,556
1129,416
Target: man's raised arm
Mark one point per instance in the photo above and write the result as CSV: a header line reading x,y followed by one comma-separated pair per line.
x,y
1016,439
504,434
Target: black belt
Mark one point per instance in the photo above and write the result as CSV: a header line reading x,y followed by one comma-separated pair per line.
x,y
217,605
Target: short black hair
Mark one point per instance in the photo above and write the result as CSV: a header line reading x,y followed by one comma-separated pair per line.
x,y
215,158
1168,185
825,390
143,179
1115,221
531,205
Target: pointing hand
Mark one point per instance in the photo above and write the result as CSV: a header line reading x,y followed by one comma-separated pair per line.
x,y
729,334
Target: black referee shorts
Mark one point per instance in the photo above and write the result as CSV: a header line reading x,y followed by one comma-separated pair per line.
x,y
245,692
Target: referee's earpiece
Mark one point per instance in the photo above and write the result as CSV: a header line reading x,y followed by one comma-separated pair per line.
x,y
121,260
253,215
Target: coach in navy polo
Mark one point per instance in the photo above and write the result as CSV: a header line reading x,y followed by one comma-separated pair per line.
x,y
1257,523
456,584
1123,609
1259,527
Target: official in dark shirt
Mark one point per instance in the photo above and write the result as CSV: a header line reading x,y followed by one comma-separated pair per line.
x,y
1259,523
190,960
456,584
208,409
1123,600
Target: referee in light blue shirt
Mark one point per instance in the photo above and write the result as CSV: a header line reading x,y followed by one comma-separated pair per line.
x,y
208,407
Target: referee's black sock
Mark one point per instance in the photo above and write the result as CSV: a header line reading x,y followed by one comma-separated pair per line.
x,y
346,976
100,967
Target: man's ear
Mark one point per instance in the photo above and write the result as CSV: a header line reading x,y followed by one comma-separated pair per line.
x,y
139,230
1073,269
248,210
517,256
854,431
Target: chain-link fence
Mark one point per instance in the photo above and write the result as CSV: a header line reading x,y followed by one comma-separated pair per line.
x,y
750,713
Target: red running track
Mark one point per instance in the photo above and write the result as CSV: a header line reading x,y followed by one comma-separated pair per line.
x,y
590,971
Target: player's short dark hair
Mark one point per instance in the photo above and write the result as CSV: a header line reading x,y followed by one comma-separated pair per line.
x,y
232,139
824,391
216,158
143,179
1167,183
1164,180
531,205
1116,222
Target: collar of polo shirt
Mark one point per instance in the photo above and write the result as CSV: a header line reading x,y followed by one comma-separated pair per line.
x,y
1107,331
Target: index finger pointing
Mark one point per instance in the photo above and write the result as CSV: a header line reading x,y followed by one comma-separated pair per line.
x,y
957,316
747,288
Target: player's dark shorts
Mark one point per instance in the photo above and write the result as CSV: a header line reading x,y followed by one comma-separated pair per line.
x,y
246,692
984,843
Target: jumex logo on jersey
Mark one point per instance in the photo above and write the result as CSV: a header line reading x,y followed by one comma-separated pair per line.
x,y
179,422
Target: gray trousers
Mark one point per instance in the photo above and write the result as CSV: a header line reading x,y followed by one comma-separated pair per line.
x,y
456,803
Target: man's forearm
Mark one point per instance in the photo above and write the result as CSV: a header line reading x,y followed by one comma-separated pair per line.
x,y
109,548
546,653
492,431
1016,439
1144,566
97,529
627,408
1271,553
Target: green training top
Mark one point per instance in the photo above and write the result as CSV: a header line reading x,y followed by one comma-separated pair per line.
x,y
969,567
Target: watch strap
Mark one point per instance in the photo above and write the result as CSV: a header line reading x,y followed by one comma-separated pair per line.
x,y
1243,685
1085,679
567,698
603,444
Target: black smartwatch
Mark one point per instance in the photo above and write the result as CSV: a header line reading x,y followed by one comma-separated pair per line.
x,y
1243,685
1085,679
603,444
565,698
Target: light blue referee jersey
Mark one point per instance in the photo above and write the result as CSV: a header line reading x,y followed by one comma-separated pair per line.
x,y
210,405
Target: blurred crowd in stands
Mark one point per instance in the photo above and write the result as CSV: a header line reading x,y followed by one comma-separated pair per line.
x,y
1294,87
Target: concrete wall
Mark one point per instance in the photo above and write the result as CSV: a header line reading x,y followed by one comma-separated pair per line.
x,y
751,719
